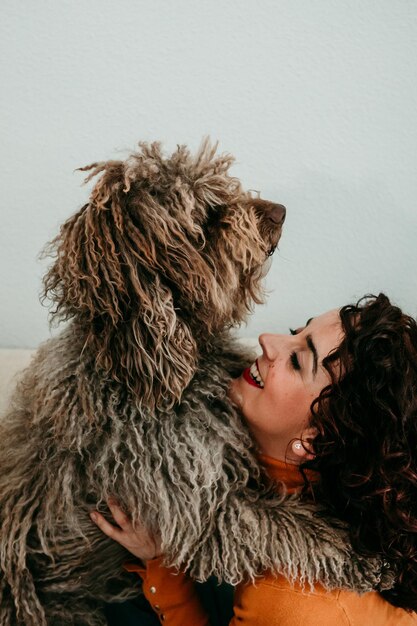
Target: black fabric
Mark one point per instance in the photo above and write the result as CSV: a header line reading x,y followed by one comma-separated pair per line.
x,y
137,612
216,599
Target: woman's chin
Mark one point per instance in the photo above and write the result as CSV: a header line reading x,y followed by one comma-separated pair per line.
x,y
235,392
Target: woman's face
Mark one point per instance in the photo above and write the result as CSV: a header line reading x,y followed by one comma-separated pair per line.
x,y
290,376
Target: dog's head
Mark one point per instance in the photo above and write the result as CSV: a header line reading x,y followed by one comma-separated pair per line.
x,y
166,253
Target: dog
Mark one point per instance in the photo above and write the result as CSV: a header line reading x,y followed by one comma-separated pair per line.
x,y
130,400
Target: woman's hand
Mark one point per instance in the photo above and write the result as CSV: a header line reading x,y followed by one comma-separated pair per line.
x,y
139,542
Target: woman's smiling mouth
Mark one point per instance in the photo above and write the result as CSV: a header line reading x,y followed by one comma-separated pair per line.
x,y
252,376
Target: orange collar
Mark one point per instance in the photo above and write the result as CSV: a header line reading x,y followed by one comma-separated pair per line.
x,y
287,473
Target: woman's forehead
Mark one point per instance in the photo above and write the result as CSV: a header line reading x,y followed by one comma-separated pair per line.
x,y
328,318
326,331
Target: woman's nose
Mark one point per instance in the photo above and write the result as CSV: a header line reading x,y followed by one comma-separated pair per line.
x,y
271,345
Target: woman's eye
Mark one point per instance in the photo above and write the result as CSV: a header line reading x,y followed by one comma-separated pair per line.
x,y
292,331
294,361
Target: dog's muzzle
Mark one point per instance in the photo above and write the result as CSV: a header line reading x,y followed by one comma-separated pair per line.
x,y
270,211
276,213
272,217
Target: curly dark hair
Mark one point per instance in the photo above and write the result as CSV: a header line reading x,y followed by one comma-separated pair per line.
x,y
366,447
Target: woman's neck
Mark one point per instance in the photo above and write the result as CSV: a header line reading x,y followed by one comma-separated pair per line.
x,y
275,449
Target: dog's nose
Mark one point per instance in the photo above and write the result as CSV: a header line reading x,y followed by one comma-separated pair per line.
x,y
270,210
276,213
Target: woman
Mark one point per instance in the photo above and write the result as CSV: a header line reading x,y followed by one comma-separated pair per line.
x,y
333,409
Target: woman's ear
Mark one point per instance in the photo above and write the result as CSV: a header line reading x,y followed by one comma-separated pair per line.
x,y
302,447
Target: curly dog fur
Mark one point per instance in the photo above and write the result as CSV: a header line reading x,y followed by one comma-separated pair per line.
x,y
130,400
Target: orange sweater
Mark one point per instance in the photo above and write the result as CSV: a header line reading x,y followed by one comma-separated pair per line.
x,y
273,600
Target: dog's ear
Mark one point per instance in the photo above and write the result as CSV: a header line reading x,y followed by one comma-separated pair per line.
x,y
106,276
87,278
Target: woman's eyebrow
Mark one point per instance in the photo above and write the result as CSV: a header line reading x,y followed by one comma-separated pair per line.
x,y
295,332
312,347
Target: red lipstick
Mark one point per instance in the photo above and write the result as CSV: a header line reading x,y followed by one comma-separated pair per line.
x,y
246,375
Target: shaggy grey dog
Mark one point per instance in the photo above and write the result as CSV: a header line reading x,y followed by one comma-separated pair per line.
x,y
130,400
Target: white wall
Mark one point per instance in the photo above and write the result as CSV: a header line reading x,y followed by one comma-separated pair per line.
x,y
318,101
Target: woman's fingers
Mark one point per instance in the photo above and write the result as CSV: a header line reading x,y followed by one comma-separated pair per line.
x,y
138,541
107,528
119,517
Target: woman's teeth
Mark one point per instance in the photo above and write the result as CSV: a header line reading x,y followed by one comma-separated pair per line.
x,y
255,375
